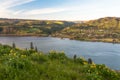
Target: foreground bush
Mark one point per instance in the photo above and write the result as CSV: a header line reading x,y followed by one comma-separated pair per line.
x,y
18,64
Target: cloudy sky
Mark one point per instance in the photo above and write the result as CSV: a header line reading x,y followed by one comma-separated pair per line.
x,y
59,9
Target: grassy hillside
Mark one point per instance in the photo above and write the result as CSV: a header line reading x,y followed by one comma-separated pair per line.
x,y
18,64
106,23
31,27
104,29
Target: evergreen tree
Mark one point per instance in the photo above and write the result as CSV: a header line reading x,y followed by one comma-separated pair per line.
x,y
13,45
36,49
31,45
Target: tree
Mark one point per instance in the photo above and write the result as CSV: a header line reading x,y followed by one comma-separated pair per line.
x,y
36,49
89,61
31,45
13,45
75,56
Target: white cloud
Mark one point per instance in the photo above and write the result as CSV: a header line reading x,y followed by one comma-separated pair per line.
x,y
6,10
74,11
6,5
43,11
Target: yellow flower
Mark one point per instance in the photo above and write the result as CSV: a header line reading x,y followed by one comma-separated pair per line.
x,y
93,66
23,56
84,63
14,54
113,70
35,53
93,63
99,67
11,51
40,53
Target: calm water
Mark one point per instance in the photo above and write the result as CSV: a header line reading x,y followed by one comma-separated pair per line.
x,y
101,53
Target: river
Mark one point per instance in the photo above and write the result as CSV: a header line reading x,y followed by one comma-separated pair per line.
x,y
100,52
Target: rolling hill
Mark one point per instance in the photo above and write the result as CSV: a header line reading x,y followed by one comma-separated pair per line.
x,y
22,27
104,29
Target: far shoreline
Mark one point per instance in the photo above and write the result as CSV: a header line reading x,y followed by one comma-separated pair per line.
x,y
34,35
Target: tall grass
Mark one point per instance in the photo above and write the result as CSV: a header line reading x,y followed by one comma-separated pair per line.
x,y
16,64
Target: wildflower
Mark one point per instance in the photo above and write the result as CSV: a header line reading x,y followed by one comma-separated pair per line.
x,y
93,66
84,63
23,56
11,51
40,53
99,67
14,54
113,70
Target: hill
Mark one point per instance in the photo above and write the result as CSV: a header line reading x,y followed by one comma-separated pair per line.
x,y
16,64
106,23
104,29
22,27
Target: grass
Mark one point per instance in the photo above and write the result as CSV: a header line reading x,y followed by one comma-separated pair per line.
x,y
16,64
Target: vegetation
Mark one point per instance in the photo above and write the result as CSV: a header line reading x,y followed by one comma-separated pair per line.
x,y
104,29
16,64
19,27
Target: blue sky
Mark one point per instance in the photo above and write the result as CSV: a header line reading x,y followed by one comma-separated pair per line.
x,y
59,9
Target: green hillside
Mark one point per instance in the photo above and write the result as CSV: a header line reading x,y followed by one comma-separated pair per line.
x,y
16,64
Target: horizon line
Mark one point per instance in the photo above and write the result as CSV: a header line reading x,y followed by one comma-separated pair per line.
x,y
59,19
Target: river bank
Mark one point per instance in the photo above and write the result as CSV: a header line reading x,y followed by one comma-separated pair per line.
x,y
23,35
106,40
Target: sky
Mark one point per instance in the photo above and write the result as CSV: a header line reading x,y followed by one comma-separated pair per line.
x,y
71,10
